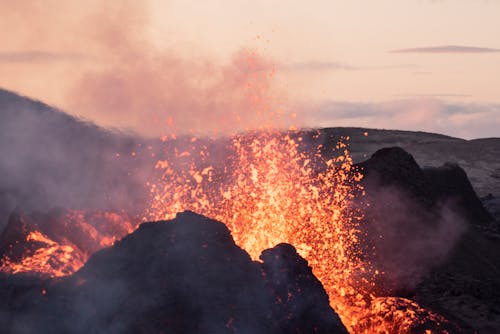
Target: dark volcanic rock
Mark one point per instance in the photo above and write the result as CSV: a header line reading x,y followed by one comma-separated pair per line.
x,y
406,231
426,227
480,158
393,166
301,304
431,186
449,182
492,204
180,276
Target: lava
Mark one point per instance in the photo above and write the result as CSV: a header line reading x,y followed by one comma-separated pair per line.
x,y
59,243
270,191
49,257
268,187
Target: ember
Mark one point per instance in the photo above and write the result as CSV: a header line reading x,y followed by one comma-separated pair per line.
x,y
271,192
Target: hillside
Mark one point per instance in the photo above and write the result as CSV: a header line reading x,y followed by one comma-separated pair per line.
x,y
480,158
51,159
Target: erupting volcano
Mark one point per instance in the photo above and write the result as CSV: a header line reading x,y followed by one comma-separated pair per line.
x,y
269,188
268,192
267,230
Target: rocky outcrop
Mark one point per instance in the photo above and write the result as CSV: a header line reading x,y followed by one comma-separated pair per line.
x,y
450,182
425,232
301,304
431,186
180,276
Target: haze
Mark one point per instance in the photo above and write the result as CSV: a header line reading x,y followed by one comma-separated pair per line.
x,y
150,66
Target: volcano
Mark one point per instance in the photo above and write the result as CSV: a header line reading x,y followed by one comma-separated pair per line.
x,y
340,230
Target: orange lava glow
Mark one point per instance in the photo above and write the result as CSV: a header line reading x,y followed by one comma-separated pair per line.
x,y
50,257
269,192
399,315
59,245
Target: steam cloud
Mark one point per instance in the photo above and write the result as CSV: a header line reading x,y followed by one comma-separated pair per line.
x,y
123,79
409,239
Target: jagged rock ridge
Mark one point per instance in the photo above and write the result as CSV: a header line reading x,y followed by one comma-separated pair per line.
x,y
179,276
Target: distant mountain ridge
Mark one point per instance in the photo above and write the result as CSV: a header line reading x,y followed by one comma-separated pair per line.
x,y
480,158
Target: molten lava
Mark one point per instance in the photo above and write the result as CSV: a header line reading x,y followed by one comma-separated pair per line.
x,y
59,243
49,257
269,191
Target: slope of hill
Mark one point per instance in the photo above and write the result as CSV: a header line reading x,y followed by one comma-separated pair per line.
x,y
51,159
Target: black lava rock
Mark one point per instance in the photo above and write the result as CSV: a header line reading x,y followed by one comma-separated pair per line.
x,y
181,276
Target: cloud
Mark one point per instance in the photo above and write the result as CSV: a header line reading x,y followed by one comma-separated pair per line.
x,y
337,66
465,120
447,49
37,56
318,66
437,96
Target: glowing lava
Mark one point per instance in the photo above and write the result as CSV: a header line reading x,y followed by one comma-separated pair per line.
x,y
49,257
269,191
59,243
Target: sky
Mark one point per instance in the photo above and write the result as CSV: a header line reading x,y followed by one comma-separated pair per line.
x,y
156,66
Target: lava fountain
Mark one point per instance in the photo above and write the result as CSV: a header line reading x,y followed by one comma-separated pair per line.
x,y
268,187
270,191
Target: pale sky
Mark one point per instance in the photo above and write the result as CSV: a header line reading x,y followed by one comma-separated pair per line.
x,y
130,65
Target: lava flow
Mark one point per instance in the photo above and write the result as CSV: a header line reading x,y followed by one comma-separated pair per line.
x,y
58,243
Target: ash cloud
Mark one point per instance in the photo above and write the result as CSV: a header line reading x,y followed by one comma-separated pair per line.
x,y
129,81
167,93
152,89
